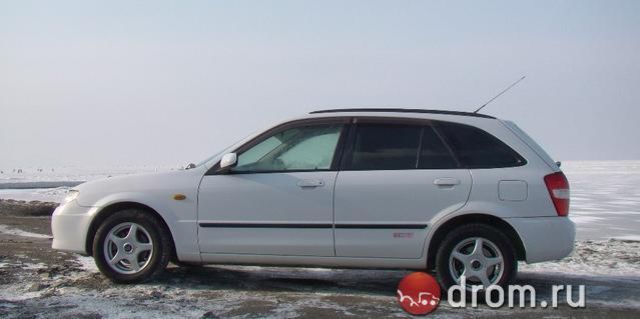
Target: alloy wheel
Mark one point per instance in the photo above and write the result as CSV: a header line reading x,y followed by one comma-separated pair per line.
x,y
128,248
479,260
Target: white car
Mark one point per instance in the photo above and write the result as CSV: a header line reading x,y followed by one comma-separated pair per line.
x,y
453,192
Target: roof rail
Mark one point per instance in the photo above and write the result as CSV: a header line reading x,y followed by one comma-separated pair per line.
x,y
401,110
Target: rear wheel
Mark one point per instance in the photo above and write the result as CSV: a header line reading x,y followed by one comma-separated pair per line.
x,y
481,254
131,246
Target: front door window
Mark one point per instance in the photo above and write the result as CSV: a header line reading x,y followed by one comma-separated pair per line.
x,y
306,148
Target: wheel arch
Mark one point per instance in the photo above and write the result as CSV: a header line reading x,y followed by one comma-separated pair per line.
x,y
490,220
103,213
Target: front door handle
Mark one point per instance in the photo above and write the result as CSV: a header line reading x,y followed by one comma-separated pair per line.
x,y
446,181
309,183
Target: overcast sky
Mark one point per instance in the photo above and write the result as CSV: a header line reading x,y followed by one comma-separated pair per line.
x,y
152,82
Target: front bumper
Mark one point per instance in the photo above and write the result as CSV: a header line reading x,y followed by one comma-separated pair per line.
x,y
70,224
545,238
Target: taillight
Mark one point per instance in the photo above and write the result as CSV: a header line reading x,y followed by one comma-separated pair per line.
x,y
558,187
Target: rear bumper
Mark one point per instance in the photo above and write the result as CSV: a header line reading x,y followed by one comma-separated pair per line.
x,y
69,225
545,238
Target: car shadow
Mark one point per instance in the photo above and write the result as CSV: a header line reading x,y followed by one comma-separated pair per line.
x,y
283,279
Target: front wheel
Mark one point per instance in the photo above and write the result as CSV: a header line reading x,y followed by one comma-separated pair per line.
x,y
131,246
481,254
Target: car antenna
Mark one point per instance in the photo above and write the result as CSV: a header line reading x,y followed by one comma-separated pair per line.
x,y
503,91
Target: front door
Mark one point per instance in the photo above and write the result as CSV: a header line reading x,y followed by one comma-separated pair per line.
x,y
278,199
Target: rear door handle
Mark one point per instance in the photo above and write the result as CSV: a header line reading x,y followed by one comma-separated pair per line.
x,y
309,183
446,181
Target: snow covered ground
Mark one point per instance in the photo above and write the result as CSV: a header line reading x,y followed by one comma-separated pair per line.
x,y
72,173
51,184
62,285
605,199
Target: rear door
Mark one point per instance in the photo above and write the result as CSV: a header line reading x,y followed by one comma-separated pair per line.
x,y
395,177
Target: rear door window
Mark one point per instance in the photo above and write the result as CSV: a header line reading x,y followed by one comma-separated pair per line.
x,y
384,147
397,147
434,154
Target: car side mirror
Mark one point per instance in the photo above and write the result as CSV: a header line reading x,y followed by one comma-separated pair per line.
x,y
228,161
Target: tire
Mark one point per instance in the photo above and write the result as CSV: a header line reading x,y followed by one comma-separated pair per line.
x,y
149,247
458,253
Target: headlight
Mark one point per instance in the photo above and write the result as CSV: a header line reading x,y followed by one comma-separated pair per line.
x,y
71,195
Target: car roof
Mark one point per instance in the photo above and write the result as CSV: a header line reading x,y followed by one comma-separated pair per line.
x,y
404,111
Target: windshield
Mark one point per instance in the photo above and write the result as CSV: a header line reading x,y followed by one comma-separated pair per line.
x,y
210,158
229,148
223,151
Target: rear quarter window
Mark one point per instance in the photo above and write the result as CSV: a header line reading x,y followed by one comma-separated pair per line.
x,y
475,148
